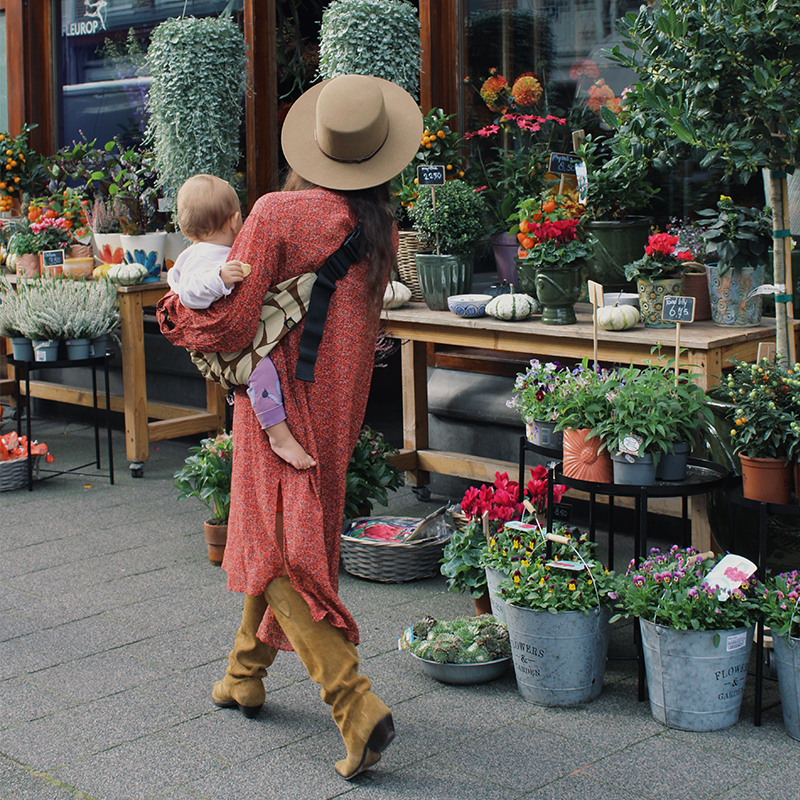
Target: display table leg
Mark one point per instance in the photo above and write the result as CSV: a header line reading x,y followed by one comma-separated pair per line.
x,y
137,439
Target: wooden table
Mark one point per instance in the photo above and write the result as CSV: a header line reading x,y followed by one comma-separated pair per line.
x,y
171,420
708,348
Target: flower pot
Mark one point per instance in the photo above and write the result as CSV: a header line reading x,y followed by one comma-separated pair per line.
x,y
146,249
108,248
45,350
634,470
583,459
787,657
728,295
28,265
22,348
695,284
176,244
615,243
506,246
80,251
498,605
482,604
769,480
216,538
99,345
78,349
672,466
694,686
651,299
543,433
559,659
558,289
78,268
441,276
410,244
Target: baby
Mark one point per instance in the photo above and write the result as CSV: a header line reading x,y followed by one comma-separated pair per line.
x,y
210,217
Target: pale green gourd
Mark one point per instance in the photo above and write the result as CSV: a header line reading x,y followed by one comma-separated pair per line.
x,y
617,318
127,274
511,306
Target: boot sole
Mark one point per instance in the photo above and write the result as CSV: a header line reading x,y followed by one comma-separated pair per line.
x,y
380,738
248,711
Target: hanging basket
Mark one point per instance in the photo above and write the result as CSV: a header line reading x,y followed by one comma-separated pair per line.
x,y
410,243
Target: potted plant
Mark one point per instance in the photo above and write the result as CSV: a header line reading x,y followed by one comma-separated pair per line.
x,y
206,475
537,396
23,252
696,637
558,610
60,221
552,255
370,474
103,218
765,427
9,303
658,273
780,607
618,190
583,405
24,172
737,240
464,650
695,281
450,219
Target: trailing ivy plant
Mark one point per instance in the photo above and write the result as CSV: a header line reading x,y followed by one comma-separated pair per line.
x,y
195,99
371,37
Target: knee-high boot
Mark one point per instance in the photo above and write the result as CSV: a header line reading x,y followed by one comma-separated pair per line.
x,y
364,722
242,685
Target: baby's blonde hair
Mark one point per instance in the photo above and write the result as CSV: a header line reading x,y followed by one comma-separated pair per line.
x,y
205,204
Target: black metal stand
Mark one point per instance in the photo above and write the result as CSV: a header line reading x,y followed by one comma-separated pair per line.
x,y
22,372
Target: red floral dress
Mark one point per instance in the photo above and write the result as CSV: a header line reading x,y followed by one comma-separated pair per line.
x,y
287,234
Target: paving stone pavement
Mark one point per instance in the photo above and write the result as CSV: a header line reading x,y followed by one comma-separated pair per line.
x,y
114,625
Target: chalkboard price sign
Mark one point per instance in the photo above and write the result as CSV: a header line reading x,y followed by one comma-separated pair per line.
x,y
53,258
430,175
563,163
678,309
562,511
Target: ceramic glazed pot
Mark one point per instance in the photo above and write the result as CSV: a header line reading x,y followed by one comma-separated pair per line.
x,y
728,295
769,480
651,299
108,248
506,246
582,459
28,265
441,276
615,243
147,250
216,539
558,289
176,244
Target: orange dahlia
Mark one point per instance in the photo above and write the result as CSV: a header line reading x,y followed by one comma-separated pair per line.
x,y
526,91
492,89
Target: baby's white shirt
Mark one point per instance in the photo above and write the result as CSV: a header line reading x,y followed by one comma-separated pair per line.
x,y
194,276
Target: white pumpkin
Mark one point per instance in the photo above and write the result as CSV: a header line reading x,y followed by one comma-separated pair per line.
x,y
511,306
617,318
396,295
127,274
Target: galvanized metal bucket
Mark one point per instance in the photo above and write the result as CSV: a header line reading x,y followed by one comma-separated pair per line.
x,y
559,659
493,578
787,656
694,686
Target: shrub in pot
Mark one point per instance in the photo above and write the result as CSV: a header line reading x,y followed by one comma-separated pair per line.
x,y
370,474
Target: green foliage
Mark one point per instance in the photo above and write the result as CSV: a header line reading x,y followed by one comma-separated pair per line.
x,y
538,392
670,589
9,302
718,79
780,603
370,474
24,242
584,403
455,224
206,475
195,99
371,37
23,168
464,640
538,584
461,560
735,236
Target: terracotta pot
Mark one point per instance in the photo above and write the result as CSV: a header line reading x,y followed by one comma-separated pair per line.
x,y
696,285
582,459
28,265
769,480
216,537
483,604
80,251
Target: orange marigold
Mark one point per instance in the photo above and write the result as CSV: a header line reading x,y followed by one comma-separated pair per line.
x,y
526,91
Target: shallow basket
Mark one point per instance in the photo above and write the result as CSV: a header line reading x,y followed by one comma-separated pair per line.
x,y
14,473
410,243
392,562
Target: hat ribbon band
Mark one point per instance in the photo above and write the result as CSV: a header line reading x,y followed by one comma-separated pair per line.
x,y
352,160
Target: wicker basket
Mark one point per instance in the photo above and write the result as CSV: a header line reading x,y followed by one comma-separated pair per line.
x,y
392,562
410,243
14,473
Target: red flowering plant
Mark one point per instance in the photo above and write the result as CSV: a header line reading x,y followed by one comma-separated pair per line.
x,y
549,231
660,259
59,220
511,155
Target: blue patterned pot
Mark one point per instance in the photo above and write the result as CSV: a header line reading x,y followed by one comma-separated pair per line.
x,y
651,299
728,295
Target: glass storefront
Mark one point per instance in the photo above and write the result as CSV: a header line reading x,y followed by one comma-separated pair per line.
x,y
3,74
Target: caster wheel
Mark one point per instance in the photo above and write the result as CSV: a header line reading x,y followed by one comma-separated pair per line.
x,y
137,469
423,493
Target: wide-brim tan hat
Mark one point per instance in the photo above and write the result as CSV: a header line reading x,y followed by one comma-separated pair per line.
x,y
352,132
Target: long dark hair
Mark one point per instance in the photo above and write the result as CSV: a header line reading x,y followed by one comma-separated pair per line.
x,y
373,208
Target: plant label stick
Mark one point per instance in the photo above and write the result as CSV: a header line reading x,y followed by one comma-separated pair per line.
x,y
596,299
485,524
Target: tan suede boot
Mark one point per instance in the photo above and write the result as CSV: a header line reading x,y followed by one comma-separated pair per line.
x,y
363,720
242,685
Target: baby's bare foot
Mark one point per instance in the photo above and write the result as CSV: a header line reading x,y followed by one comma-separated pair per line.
x,y
285,446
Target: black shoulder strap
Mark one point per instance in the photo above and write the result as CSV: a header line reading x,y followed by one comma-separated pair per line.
x,y
331,271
